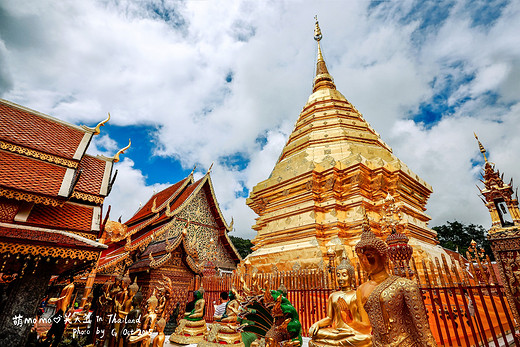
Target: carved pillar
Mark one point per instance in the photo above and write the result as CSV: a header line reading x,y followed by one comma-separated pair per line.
x,y
506,248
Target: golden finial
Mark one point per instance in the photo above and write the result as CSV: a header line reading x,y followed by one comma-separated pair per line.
x,y
209,170
97,128
317,31
482,149
121,151
192,171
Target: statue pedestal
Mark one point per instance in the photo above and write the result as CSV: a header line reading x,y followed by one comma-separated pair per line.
x,y
189,332
222,334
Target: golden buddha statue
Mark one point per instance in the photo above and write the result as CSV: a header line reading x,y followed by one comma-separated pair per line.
x,y
225,330
346,323
394,304
123,310
158,341
142,336
192,327
63,301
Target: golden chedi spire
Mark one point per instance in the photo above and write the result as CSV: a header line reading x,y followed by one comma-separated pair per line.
x,y
323,79
482,149
332,165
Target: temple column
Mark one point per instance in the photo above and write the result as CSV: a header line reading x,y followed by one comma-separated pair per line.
x,y
23,297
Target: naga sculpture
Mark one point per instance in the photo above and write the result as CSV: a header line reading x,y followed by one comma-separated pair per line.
x,y
192,327
394,304
268,318
346,323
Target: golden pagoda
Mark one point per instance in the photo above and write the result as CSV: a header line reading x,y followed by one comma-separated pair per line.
x,y
332,168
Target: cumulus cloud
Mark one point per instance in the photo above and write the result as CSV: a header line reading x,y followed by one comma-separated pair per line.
x,y
223,82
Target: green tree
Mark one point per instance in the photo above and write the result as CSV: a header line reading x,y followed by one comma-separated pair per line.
x,y
455,235
243,246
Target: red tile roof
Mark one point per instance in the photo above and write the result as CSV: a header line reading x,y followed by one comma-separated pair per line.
x,y
29,129
31,175
69,216
162,196
185,195
92,176
20,235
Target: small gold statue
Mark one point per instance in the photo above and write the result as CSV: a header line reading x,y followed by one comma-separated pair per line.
x,y
158,341
346,323
192,327
394,304
225,330
63,301
141,337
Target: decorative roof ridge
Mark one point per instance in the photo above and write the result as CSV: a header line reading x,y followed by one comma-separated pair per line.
x,y
146,240
82,128
114,261
199,185
187,180
31,197
228,239
229,227
33,153
54,231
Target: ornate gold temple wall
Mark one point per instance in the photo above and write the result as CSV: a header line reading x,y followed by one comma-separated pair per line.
x,y
333,166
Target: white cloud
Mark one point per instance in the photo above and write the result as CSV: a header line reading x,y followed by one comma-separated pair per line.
x,y
165,63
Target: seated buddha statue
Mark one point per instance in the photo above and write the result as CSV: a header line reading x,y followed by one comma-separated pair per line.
x,y
192,327
225,329
394,304
346,323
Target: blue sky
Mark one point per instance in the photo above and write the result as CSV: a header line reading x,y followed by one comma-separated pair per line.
x,y
202,82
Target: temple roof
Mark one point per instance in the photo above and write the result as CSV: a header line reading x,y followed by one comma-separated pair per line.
x,y
70,216
30,175
160,223
51,192
35,130
159,199
44,156
43,236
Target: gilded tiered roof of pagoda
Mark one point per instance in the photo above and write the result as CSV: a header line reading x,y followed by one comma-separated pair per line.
x,y
333,165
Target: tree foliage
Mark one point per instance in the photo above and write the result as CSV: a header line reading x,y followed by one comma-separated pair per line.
x,y
243,246
455,235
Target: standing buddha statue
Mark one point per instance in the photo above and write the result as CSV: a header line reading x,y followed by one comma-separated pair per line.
x,y
141,337
346,323
394,304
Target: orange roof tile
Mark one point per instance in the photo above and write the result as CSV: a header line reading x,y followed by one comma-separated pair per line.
x,y
69,216
162,196
92,176
30,175
29,129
